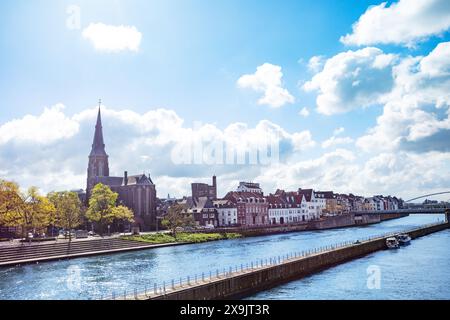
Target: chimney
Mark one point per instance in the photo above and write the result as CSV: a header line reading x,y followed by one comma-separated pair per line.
x,y
125,178
214,181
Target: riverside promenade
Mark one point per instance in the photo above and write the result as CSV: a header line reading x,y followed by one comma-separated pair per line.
x,y
247,279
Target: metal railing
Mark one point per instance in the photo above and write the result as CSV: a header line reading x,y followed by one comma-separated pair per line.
x,y
165,287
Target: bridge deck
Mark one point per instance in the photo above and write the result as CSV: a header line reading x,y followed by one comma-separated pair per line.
x,y
407,211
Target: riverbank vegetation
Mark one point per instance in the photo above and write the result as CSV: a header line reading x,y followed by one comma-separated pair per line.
x,y
31,213
182,237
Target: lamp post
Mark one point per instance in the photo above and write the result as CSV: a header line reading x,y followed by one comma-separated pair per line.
x,y
157,223
109,233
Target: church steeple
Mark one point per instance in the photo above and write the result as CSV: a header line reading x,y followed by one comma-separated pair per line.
x,y
98,166
98,145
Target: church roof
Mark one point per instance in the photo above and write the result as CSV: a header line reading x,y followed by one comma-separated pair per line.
x,y
139,179
109,181
98,145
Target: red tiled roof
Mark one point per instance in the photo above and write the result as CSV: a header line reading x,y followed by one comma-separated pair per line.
x,y
235,195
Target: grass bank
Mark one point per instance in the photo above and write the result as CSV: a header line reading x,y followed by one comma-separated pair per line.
x,y
158,238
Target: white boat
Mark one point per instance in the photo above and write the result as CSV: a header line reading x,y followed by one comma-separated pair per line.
x,y
392,243
403,239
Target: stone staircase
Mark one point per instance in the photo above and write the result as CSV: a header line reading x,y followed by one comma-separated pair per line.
x,y
28,253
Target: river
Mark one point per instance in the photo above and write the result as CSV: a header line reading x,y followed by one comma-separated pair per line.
x,y
416,271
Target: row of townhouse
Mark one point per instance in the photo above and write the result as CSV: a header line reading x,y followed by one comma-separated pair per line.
x,y
378,203
248,206
336,204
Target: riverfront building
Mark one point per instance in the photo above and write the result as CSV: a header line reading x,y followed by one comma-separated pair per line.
x,y
226,213
315,204
252,207
287,207
137,192
204,212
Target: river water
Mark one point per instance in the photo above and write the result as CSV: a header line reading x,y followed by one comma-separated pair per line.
x,y
414,272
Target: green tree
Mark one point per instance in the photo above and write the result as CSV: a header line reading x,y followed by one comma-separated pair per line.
x,y
68,210
102,205
177,217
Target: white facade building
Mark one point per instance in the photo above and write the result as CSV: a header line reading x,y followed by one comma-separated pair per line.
x,y
226,213
314,204
288,207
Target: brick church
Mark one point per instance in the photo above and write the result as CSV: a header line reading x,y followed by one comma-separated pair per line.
x,y
137,192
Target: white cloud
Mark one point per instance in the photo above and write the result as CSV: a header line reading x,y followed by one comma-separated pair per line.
x,y
108,38
267,79
404,22
61,163
402,174
333,170
335,141
351,80
51,149
406,174
437,63
46,128
416,117
316,63
304,112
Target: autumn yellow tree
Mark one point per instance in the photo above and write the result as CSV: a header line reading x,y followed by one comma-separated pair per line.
x,y
30,211
68,210
10,203
123,214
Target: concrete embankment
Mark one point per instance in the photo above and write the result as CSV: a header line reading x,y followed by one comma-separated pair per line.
x,y
248,281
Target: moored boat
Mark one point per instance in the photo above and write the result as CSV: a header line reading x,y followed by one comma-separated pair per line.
x,y
392,243
403,239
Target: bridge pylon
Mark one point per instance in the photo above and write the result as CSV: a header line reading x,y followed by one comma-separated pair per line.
x,y
447,215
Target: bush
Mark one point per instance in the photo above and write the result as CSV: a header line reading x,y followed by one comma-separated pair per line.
x,y
158,238
38,239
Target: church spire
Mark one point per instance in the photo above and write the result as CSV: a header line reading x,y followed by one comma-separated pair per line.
x,y
98,145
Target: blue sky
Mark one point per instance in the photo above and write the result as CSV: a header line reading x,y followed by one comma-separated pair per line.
x,y
189,61
192,52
